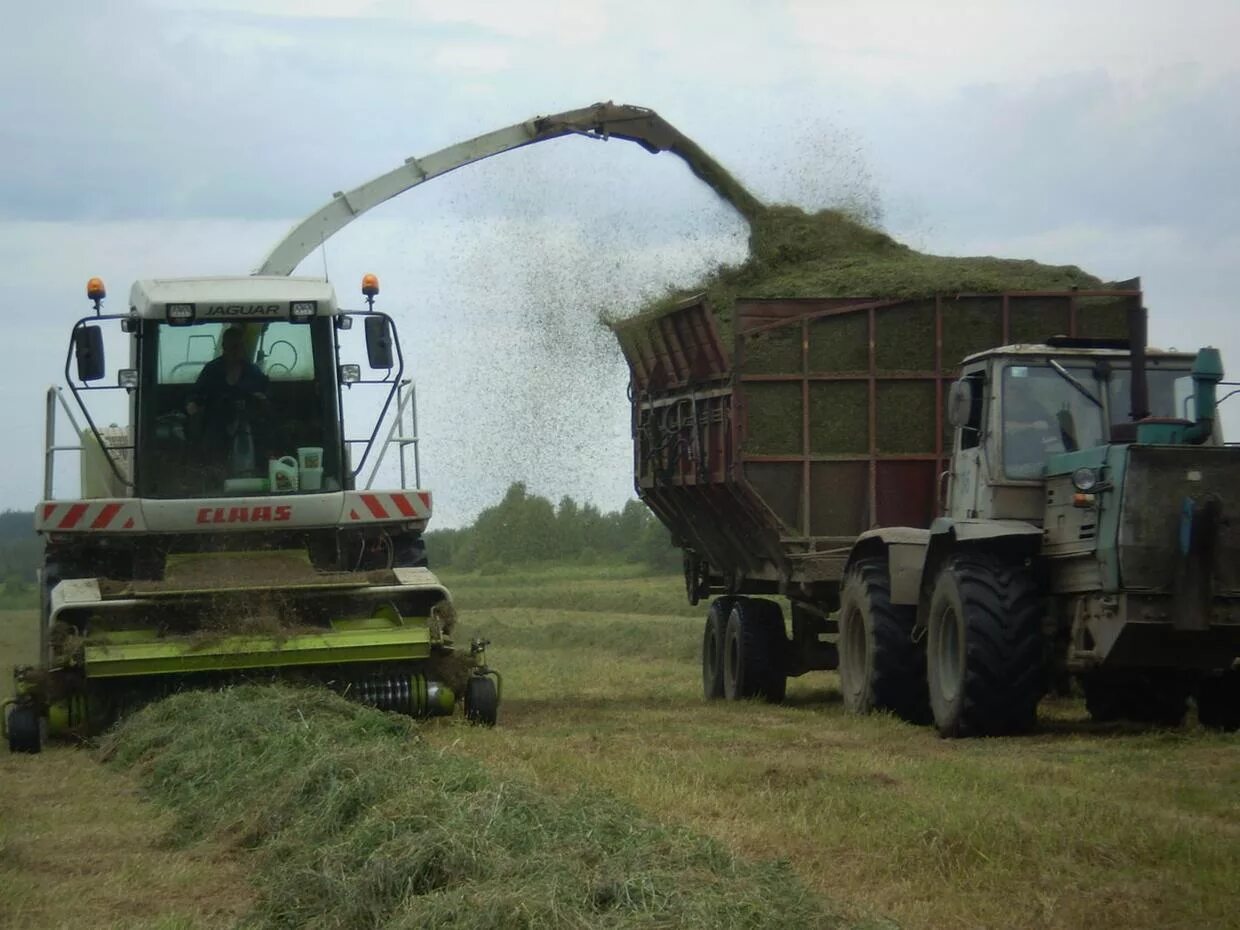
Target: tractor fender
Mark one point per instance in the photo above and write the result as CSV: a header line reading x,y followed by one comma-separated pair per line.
x,y
948,535
905,548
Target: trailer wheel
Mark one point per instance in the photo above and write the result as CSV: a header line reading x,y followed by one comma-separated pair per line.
x,y
27,729
481,701
713,647
751,659
984,652
1135,695
881,666
1218,701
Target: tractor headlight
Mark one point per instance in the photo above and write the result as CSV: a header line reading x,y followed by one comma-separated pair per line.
x,y
350,374
302,311
180,314
1085,479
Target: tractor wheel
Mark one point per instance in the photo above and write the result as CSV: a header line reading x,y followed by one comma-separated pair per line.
x,y
27,729
881,666
771,618
1132,694
712,648
984,651
481,701
1218,701
752,662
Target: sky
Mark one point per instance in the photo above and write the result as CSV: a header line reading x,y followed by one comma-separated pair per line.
x,y
181,137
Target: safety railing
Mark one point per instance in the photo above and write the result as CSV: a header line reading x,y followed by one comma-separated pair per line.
x,y
402,433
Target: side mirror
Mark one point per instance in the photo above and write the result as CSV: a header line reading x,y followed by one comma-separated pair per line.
x,y
379,342
959,403
88,348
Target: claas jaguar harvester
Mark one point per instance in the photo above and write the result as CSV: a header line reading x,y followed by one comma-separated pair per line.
x,y
226,534
967,499
205,546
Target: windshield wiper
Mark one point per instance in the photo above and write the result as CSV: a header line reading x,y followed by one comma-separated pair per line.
x,y
1072,380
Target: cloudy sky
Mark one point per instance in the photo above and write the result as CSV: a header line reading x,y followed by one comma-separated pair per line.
x,y
185,136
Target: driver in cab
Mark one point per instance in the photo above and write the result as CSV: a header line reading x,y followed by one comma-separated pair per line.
x,y
228,391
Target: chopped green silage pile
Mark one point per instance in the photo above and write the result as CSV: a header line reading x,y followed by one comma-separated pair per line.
x,y
829,254
351,821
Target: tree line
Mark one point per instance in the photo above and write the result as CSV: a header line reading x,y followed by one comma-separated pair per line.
x,y
524,528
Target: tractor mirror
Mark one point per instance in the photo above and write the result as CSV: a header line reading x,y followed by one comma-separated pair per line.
x,y
959,403
88,348
379,341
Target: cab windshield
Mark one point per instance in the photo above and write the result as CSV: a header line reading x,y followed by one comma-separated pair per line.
x,y
1045,413
229,407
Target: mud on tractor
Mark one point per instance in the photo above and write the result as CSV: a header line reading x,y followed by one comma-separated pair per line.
x,y
227,533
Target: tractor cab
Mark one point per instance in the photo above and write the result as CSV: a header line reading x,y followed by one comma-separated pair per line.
x,y
234,386
232,380
1016,408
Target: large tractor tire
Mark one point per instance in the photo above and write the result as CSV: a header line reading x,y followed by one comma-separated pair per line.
x,y
1218,701
984,650
1140,696
881,666
712,648
753,652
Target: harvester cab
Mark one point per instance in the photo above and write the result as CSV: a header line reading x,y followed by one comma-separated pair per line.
x,y
227,532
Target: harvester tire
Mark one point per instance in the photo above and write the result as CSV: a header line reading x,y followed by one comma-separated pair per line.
x,y
712,648
1218,701
482,701
1135,695
881,666
984,648
27,729
752,661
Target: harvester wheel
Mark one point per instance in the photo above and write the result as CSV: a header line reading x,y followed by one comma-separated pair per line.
x,y
482,701
1136,695
881,666
752,659
712,648
27,729
1218,701
984,650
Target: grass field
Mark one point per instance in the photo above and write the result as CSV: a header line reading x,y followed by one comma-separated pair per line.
x,y
1075,826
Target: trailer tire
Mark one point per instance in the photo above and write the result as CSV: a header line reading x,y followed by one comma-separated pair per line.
x,y
751,662
712,648
1135,695
1218,701
881,667
984,648
482,701
27,729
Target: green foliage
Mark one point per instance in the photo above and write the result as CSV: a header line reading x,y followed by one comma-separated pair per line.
x,y
524,528
351,820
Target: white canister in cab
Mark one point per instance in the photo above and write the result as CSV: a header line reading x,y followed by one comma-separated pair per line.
x,y
283,474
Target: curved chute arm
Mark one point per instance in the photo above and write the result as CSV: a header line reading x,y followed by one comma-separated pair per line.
x,y
600,121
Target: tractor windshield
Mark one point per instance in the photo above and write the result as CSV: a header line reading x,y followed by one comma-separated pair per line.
x,y
1045,413
225,407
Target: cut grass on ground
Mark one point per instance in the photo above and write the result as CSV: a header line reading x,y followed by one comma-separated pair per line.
x,y
351,820
1075,826
79,848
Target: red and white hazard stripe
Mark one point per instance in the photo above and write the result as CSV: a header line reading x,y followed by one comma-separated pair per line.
x,y
92,516
386,506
